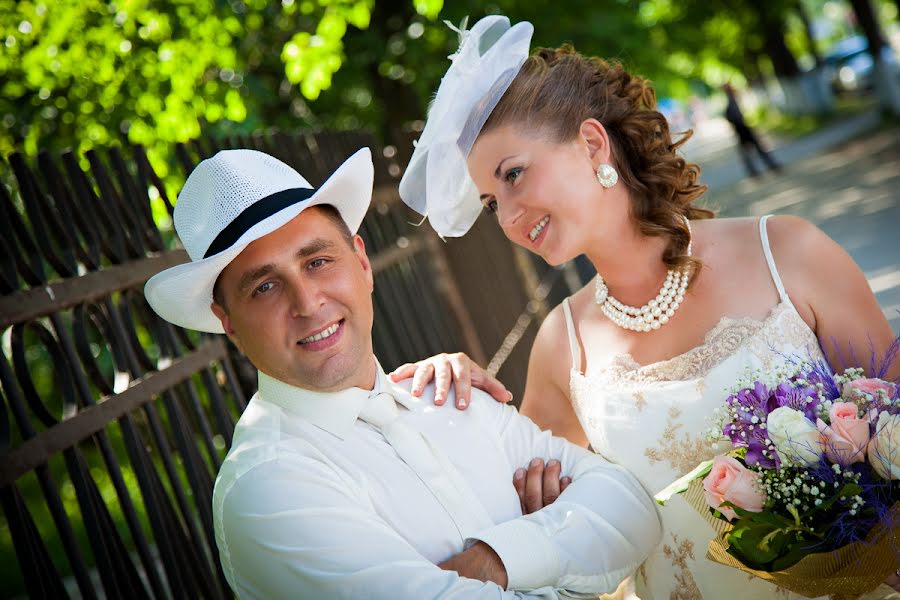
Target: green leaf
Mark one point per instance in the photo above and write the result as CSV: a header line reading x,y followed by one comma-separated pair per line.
x,y
682,483
792,554
768,517
756,544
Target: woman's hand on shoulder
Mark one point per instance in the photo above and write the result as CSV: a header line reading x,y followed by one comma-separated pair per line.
x,y
830,292
446,369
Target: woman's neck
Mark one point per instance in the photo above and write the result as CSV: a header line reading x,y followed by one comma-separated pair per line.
x,y
632,267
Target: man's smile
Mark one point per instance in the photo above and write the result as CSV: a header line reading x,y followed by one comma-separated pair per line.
x,y
324,338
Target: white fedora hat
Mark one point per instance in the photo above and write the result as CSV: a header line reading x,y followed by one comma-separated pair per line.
x,y
232,199
436,184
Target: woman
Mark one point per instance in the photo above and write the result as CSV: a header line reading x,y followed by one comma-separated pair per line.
x,y
570,154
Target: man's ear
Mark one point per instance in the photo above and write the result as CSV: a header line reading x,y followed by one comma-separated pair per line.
x,y
595,139
223,317
359,247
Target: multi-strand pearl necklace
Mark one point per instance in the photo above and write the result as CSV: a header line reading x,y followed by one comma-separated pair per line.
x,y
655,313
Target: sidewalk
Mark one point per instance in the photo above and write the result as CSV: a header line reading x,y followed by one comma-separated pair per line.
x,y
714,146
845,179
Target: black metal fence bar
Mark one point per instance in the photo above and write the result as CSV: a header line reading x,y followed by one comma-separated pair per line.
x,y
102,224
29,304
89,421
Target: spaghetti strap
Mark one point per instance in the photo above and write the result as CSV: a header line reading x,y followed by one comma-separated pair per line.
x,y
770,260
573,338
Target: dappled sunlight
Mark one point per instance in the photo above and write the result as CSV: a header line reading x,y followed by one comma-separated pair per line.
x,y
882,173
838,204
884,279
876,204
824,163
776,202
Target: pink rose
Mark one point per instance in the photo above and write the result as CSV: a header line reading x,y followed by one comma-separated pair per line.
x,y
869,386
847,436
730,481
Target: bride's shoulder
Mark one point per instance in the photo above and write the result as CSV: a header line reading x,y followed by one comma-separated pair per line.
x,y
725,229
552,339
553,332
740,234
726,241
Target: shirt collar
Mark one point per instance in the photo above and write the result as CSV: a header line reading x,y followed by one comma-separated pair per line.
x,y
335,412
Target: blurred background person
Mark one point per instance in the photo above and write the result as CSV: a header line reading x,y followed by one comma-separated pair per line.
x,y
747,138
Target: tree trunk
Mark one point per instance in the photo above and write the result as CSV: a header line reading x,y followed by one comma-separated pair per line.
x,y
401,103
752,72
807,28
814,83
772,25
886,86
865,16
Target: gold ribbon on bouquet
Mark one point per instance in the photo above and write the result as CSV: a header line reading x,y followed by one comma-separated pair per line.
x,y
843,574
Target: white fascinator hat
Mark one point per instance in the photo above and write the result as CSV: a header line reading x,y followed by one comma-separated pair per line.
x,y
436,183
233,199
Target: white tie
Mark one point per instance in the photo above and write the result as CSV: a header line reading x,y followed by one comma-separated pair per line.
x,y
429,463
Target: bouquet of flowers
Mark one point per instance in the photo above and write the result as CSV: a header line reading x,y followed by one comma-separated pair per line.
x,y
807,497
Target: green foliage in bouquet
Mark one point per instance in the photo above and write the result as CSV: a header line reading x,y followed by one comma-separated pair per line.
x,y
768,541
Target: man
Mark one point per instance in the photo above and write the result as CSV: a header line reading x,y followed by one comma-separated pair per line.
x,y
339,483
747,140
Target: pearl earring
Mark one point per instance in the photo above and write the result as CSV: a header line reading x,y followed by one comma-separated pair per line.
x,y
607,175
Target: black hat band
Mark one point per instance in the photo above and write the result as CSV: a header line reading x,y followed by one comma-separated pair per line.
x,y
253,214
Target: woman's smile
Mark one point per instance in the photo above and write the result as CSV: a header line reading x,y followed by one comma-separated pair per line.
x,y
538,229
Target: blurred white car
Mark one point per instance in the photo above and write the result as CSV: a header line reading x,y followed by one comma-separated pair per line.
x,y
850,66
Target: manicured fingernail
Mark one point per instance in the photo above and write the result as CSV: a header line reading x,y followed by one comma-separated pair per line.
x,y
462,403
535,462
520,473
552,463
509,396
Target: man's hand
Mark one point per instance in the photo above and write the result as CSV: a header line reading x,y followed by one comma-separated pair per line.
x,y
478,562
539,486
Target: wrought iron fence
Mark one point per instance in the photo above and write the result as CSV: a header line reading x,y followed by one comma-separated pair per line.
x,y
113,422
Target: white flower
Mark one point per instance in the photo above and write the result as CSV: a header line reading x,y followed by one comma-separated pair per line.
x,y
884,447
796,438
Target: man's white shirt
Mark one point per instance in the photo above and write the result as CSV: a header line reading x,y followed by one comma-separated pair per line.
x,y
312,502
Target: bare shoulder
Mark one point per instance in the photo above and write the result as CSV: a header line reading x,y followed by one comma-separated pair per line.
x,y
552,342
802,250
816,271
546,399
793,240
724,238
790,230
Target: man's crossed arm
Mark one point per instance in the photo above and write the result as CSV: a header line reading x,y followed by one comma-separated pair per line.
x,y
537,486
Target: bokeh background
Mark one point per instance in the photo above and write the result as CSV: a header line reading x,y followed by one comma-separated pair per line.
x,y
84,73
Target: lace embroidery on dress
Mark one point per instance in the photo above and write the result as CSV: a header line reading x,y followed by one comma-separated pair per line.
x,y
682,452
723,340
640,401
685,586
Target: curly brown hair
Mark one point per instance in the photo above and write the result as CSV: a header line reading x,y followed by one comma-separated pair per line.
x,y
559,89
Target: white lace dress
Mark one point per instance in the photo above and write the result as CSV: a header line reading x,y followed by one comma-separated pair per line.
x,y
652,420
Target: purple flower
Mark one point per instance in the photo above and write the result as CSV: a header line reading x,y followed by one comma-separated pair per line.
x,y
759,451
803,399
748,409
